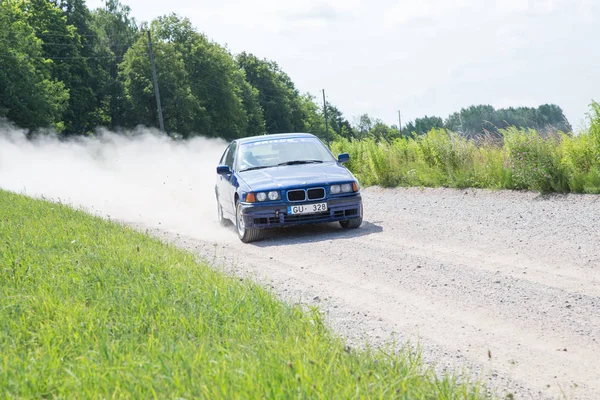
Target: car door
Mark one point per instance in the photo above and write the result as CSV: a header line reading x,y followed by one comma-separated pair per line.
x,y
219,183
227,181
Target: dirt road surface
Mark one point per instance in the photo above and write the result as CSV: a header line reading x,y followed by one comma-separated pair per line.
x,y
506,284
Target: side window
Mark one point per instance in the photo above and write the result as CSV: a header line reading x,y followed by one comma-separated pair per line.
x,y
230,155
224,156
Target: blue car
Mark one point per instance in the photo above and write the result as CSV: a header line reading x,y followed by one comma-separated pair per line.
x,y
281,180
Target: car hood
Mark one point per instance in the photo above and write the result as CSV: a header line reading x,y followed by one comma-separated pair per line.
x,y
295,175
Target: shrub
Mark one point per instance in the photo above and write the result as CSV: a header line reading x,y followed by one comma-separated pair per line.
x,y
520,159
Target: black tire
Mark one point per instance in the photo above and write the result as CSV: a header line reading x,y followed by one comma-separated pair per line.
x,y
351,223
246,235
222,220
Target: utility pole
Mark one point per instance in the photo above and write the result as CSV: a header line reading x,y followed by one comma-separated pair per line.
x,y
161,122
325,113
399,121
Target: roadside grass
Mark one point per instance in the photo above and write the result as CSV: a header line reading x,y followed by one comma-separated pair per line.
x,y
93,309
520,159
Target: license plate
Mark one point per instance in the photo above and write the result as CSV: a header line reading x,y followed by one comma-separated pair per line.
x,y
307,208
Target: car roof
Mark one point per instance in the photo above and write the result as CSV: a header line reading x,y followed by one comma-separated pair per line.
x,y
260,138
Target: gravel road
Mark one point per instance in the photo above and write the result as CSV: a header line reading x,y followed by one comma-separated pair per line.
x,y
505,284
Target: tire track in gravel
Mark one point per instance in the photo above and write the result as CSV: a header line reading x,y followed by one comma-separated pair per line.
x,y
465,273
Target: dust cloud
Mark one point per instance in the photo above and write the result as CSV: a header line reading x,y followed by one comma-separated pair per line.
x,y
141,177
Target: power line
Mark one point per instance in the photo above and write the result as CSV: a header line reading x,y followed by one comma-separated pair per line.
x,y
74,34
8,55
102,37
72,46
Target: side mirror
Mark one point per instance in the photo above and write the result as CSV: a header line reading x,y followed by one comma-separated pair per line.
x,y
223,170
344,157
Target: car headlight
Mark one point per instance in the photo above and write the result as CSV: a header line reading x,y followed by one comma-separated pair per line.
x,y
335,189
261,196
273,195
347,187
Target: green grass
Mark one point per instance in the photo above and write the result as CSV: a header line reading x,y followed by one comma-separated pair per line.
x,y
521,159
92,309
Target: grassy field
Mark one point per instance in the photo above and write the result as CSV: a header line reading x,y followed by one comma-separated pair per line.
x,y
522,159
91,309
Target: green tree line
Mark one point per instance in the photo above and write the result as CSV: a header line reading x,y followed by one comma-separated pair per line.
x,y
65,66
485,119
472,122
74,69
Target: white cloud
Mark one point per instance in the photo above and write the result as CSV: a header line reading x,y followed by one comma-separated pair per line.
x,y
404,11
330,10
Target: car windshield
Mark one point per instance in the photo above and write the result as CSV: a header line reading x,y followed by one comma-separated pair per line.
x,y
272,153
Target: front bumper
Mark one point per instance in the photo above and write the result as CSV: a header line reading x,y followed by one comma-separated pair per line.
x,y
258,215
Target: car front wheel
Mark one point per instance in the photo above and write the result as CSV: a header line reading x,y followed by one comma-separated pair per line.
x,y
245,234
351,223
354,222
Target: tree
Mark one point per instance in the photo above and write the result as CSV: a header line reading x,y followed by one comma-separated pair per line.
x,y
250,101
116,32
338,123
551,115
314,121
182,111
88,76
29,96
215,80
478,120
472,121
381,131
67,40
422,125
362,126
202,90
284,109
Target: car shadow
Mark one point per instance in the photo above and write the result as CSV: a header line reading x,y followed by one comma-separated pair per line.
x,y
314,233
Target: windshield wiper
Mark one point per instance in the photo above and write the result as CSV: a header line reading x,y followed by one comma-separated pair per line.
x,y
298,162
258,167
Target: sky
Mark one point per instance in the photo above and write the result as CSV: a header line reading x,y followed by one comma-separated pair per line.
x,y
422,57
